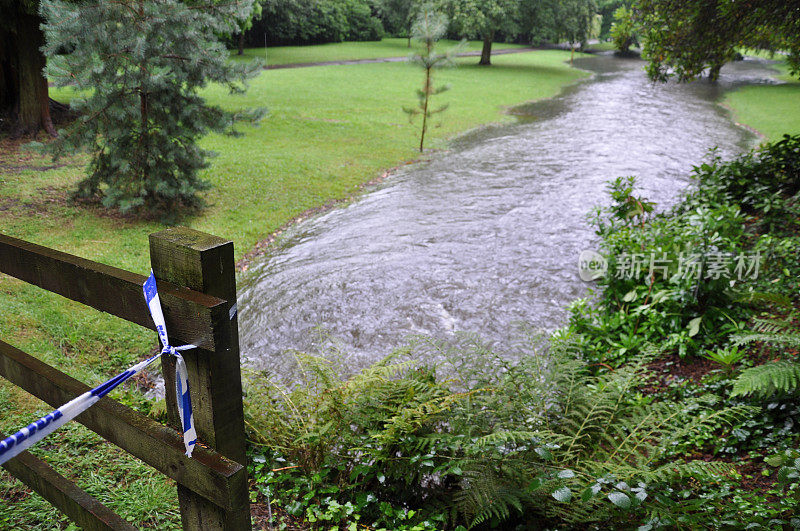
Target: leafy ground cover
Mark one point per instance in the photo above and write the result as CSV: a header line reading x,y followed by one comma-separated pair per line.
x,y
330,129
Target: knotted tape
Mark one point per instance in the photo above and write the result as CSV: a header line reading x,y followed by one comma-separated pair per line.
x,y
36,431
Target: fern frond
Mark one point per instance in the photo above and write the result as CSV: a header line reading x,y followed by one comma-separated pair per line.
x,y
527,439
699,470
771,326
790,340
781,376
489,493
756,297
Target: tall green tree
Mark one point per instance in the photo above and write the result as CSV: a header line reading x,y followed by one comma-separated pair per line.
x,y
623,30
482,19
247,24
398,16
137,67
575,21
429,27
316,21
606,9
685,39
24,98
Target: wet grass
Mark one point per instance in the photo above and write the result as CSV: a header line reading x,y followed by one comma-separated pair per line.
x,y
602,46
344,51
330,129
772,110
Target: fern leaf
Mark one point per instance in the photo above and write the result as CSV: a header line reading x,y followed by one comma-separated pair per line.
x,y
765,380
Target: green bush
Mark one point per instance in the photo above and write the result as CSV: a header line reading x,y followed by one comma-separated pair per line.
x,y
762,181
661,302
650,292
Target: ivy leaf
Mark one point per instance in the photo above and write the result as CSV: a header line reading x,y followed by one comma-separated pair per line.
x,y
694,326
563,494
536,484
620,499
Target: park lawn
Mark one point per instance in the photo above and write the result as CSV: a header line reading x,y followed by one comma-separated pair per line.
x,y
602,46
772,110
330,129
344,51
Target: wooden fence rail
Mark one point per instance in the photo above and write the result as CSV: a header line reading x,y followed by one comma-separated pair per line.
x,y
197,288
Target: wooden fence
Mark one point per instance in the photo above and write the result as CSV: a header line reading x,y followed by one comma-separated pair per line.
x,y
197,288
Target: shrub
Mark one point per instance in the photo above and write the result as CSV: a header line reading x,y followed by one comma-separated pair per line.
x,y
657,288
656,299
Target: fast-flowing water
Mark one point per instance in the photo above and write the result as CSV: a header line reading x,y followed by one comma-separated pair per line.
x,y
487,234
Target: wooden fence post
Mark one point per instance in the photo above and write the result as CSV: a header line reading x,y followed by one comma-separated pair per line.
x,y
205,263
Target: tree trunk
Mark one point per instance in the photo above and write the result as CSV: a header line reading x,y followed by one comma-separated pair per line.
x,y
713,72
24,98
241,43
486,53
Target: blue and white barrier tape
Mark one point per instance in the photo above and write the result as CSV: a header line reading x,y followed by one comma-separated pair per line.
x,y
35,432
181,375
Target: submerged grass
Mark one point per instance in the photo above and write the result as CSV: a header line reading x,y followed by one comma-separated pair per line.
x,y
330,129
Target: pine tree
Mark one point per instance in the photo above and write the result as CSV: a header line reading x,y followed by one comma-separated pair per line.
x,y
429,27
137,67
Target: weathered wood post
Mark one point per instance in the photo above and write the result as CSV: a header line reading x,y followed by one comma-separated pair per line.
x,y
205,263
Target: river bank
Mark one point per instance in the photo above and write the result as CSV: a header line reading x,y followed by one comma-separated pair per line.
x,y
670,401
771,109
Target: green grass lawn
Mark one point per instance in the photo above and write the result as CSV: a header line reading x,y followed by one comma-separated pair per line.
x,y
329,130
602,46
772,110
343,51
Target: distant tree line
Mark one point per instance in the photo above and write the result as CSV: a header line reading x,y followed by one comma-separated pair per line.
x,y
315,21
284,22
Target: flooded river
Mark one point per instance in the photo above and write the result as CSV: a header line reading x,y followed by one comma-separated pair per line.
x,y
488,233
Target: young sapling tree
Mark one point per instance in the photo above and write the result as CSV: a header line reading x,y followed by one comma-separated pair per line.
x,y
428,28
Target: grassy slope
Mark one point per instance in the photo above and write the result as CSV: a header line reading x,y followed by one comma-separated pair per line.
x,y
772,110
330,129
342,51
